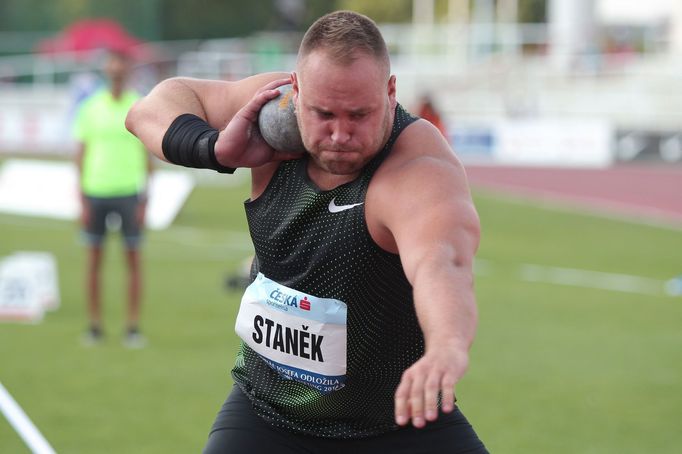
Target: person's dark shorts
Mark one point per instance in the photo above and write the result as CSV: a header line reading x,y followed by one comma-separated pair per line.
x,y
124,208
238,429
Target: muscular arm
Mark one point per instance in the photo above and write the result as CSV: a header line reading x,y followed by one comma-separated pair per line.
x,y
231,107
150,117
437,242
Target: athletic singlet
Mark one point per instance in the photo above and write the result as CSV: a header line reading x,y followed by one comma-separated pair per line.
x,y
328,324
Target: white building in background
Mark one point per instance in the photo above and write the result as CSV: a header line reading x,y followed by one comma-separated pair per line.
x,y
666,13
572,24
613,63
595,67
571,31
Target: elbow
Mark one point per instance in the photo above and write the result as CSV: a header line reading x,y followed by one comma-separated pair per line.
x,y
145,111
132,117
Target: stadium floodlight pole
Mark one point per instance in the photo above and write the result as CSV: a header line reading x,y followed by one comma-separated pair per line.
x,y
23,425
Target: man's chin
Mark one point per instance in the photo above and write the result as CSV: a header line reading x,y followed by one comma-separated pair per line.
x,y
341,167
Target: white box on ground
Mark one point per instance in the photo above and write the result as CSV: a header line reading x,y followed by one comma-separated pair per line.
x,y
28,286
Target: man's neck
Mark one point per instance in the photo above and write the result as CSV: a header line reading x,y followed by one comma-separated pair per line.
x,y
325,180
116,90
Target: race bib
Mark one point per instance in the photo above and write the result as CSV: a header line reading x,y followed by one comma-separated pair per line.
x,y
301,336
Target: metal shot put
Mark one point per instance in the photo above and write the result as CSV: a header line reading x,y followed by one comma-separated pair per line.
x,y
277,122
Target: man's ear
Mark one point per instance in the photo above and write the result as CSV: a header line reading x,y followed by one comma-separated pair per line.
x,y
294,86
392,91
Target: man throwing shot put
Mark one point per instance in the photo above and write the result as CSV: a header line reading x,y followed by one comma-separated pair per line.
x,y
361,313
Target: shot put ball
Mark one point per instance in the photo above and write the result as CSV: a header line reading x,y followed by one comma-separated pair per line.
x,y
277,122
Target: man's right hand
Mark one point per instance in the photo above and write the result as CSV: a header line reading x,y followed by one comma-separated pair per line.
x,y
240,144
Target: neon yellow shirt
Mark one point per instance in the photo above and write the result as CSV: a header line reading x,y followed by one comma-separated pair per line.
x,y
114,161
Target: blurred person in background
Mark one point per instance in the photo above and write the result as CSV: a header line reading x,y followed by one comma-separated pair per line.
x,y
361,312
114,169
427,110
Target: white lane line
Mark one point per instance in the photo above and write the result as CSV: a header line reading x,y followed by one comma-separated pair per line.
x,y
592,279
23,425
195,243
575,277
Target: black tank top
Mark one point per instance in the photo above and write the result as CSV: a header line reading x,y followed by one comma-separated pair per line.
x,y
313,242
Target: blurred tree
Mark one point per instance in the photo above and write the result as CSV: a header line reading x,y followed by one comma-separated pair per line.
x,y
317,8
532,11
140,18
381,10
392,11
181,19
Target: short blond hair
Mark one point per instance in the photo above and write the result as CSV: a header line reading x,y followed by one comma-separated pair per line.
x,y
343,35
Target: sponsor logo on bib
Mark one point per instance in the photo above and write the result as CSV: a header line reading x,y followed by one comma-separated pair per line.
x,y
300,336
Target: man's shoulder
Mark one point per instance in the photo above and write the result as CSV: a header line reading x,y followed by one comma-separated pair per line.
x,y
421,168
420,142
420,154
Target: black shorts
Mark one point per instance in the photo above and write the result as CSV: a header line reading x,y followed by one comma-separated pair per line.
x,y
238,429
125,208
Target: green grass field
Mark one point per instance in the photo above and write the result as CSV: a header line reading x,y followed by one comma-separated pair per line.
x,y
555,368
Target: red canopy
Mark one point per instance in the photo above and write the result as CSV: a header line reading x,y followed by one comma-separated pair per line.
x,y
92,34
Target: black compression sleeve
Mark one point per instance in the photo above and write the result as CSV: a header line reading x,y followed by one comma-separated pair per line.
x,y
190,141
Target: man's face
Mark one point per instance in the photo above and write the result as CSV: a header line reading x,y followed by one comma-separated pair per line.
x,y
116,68
345,112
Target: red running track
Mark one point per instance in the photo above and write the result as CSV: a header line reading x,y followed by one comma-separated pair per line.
x,y
648,192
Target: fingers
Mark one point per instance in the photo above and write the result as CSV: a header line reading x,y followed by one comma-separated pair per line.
x,y
277,83
262,96
417,402
402,409
240,143
251,109
431,391
409,400
416,398
448,394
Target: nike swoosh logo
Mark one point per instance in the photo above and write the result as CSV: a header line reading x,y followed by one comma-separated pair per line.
x,y
334,208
